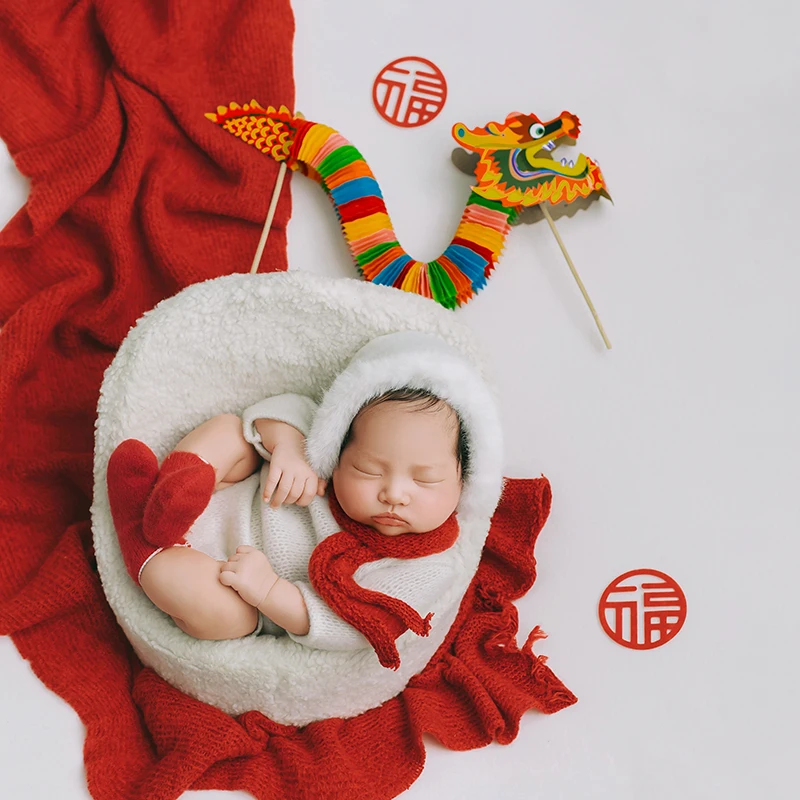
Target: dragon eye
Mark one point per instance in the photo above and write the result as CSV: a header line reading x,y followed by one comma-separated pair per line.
x,y
536,130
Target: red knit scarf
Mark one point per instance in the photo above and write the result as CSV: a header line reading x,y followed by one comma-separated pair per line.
x,y
380,617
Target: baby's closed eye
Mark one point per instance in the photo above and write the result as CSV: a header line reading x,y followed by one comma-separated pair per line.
x,y
367,472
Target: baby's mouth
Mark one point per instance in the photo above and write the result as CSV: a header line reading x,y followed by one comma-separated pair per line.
x,y
389,519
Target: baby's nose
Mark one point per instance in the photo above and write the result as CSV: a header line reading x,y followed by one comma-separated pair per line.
x,y
394,495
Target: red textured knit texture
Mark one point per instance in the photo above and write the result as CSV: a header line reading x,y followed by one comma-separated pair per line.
x,y
131,475
134,195
181,494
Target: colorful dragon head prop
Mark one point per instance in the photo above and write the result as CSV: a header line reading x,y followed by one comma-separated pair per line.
x,y
516,167
514,170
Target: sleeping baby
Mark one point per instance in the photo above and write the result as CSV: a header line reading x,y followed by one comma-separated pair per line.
x,y
399,475
347,563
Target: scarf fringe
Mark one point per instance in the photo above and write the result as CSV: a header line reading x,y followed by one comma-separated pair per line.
x,y
381,618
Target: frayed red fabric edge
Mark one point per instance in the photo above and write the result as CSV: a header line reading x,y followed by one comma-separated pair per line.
x,y
146,740
474,691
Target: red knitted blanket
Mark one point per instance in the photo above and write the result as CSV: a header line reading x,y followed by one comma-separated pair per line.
x,y
133,197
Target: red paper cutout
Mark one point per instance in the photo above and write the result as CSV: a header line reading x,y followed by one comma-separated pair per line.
x,y
642,609
409,92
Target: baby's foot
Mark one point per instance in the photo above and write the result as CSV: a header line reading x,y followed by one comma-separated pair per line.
x,y
249,572
182,492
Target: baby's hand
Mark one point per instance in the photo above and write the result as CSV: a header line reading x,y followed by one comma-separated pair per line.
x,y
249,572
290,479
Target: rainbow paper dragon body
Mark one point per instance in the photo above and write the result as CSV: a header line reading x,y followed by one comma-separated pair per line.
x,y
514,171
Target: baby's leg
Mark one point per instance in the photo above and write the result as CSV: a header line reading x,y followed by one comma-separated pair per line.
x,y
184,583
220,442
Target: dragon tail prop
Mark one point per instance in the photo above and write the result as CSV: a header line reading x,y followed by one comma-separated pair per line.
x,y
327,157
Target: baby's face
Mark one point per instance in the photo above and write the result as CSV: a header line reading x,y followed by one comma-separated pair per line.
x,y
400,462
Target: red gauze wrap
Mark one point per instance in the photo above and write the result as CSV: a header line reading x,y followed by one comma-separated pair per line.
x,y
378,616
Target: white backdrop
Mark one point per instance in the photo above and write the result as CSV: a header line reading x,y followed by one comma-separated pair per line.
x,y
678,450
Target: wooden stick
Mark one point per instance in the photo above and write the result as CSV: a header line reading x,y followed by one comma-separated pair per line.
x,y
575,275
273,204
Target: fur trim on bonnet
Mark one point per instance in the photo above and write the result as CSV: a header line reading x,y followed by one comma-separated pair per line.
x,y
417,361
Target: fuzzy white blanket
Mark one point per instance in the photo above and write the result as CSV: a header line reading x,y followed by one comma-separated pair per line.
x,y
222,346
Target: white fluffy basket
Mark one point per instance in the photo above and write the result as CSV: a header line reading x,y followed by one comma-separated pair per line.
x,y
219,347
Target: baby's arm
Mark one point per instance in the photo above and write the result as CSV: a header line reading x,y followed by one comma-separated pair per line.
x,y
249,572
277,427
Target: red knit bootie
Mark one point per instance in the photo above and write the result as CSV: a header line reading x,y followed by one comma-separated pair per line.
x,y
131,475
184,487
